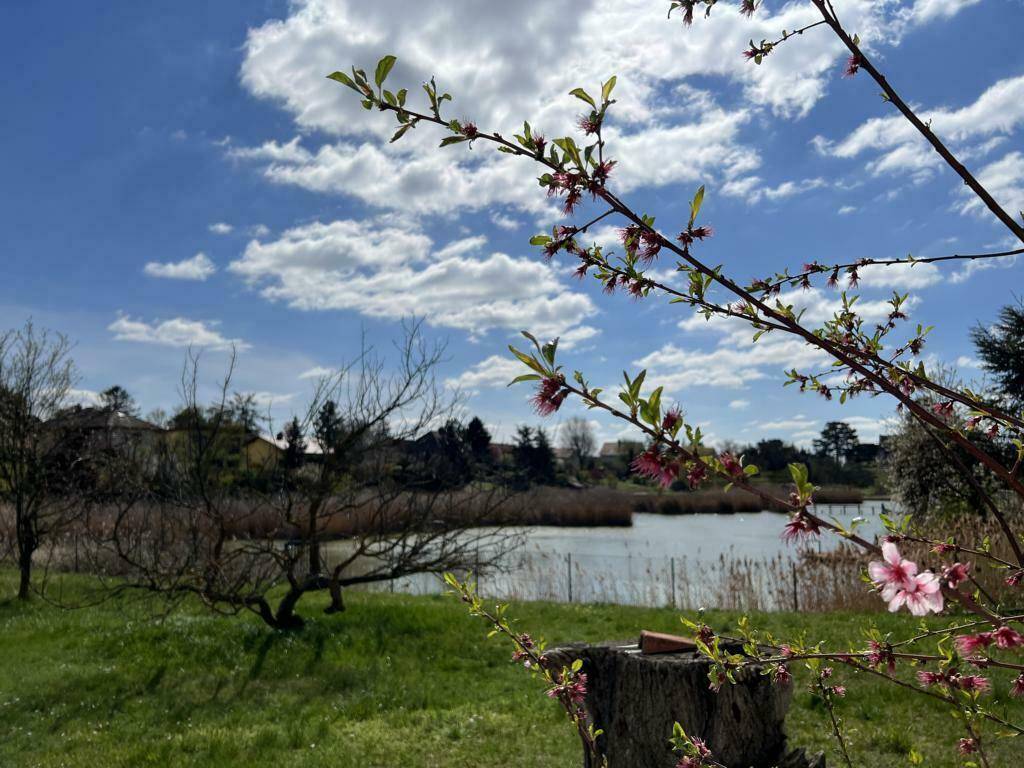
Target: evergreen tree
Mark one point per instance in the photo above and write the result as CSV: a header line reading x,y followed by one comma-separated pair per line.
x,y
117,398
838,441
1001,349
478,440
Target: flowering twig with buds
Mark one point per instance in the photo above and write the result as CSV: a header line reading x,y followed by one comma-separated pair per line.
x,y
567,684
864,362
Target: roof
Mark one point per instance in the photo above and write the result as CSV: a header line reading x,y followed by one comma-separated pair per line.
x,y
621,448
88,418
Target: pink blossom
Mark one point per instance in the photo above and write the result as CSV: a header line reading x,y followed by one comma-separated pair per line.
x,y
656,465
839,690
731,464
927,678
550,394
696,475
955,574
942,548
925,596
671,420
781,675
967,746
1017,689
852,66
747,7
892,573
573,689
1006,637
588,124
973,683
799,526
881,654
968,645
706,634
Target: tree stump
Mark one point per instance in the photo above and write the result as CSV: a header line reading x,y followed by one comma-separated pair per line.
x,y
635,699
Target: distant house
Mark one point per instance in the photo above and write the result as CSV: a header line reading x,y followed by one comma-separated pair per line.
x,y
101,428
620,449
502,453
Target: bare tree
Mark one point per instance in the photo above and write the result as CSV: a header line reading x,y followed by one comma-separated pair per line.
x,y
339,497
577,436
36,376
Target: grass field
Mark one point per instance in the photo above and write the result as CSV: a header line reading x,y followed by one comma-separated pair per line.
x,y
395,681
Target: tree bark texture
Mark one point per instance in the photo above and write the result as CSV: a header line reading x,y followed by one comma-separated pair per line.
x,y
636,699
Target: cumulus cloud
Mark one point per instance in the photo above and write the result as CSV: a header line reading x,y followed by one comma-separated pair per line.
x,y
739,405
388,268
176,332
1004,179
753,190
221,228
199,267
899,276
895,146
494,371
317,372
490,59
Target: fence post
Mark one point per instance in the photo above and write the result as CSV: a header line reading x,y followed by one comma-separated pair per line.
x,y
796,602
568,570
672,561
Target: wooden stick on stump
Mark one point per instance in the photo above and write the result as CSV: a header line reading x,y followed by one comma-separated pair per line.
x,y
636,697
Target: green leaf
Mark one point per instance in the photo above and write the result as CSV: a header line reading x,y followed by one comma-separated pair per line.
x,y
344,79
400,132
525,377
606,89
527,360
582,95
540,240
383,68
531,337
449,140
698,200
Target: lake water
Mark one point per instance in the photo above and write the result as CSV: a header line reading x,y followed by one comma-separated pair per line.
x,y
685,560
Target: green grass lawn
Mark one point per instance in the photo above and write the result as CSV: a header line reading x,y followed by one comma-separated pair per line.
x,y
394,681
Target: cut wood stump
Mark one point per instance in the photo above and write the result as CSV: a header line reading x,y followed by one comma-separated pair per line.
x,y
636,698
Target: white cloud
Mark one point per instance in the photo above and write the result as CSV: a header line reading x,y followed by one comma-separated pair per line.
x,y
731,365
199,267
739,405
221,228
870,427
481,57
259,230
899,276
317,372
495,371
387,268
752,189
502,221
798,422
847,209
1004,179
964,361
83,397
176,332
897,147
924,11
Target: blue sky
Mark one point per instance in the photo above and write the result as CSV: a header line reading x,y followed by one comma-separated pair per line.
x,y
182,173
